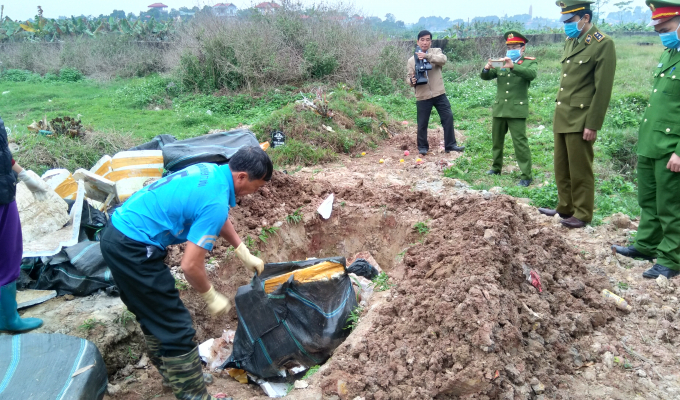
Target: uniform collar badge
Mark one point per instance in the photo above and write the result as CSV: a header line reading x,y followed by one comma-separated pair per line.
x,y
588,39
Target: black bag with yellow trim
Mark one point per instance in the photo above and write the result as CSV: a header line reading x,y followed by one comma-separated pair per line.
x,y
292,315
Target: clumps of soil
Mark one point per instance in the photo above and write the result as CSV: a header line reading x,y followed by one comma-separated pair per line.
x,y
464,320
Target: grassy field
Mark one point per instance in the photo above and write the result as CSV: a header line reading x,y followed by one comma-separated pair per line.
x,y
125,112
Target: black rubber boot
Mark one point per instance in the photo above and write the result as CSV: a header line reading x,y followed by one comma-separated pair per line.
x,y
631,252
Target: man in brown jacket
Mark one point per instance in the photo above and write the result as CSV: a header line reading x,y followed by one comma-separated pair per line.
x,y
431,94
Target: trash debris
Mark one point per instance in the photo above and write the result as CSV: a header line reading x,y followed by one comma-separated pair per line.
x,y
618,301
316,296
240,375
60,126
406,153
27,298
381,161
209,112
662,281
404,122
401,160
326,207
363,153
444,164
5,92
62,182
532,277
272,389
301,384
39,218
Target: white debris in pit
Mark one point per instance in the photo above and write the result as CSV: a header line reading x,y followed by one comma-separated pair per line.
x,y
40,218
301,384
326,207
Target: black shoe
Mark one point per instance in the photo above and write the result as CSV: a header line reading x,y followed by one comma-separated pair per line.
x,y
492,172
573,223
657,270
631,252
423,153
551,213
455,148
524,182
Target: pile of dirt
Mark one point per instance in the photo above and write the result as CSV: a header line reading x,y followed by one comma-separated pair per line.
x,y
464,320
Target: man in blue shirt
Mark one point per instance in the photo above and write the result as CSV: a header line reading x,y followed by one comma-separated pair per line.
x,y
192,206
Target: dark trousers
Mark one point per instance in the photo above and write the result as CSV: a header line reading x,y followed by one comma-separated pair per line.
x,y
424,108
148,290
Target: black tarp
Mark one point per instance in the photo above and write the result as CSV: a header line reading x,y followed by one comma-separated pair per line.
x,y
42,365
298,324
214,148
79,270
157,143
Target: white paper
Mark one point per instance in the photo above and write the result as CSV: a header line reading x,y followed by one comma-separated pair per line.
x,y
326,207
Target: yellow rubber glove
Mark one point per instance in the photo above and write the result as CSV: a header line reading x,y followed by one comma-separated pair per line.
x,y
251,262
217,303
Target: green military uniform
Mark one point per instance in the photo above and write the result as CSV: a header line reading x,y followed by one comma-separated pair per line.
x,y
511,109
586,81
659,137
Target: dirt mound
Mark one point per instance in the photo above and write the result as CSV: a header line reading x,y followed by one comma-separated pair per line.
x,y
464,320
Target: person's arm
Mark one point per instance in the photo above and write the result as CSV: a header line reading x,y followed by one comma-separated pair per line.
x,y
254,264
33,182
489,72
526,70
436,56
229,234
193,266
604,83
16,167
410,71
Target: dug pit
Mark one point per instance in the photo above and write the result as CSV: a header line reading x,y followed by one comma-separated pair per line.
x,y
461,319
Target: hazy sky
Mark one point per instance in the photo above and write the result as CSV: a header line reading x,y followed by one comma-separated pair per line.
x,y
406,10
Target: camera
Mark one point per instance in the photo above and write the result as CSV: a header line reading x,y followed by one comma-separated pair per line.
x,y
421,66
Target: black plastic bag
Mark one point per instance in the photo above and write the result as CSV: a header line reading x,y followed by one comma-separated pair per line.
x,y
361,267
79,270
157,143
215,148
297,324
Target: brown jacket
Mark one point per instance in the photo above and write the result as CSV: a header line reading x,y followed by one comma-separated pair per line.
x,y
435,84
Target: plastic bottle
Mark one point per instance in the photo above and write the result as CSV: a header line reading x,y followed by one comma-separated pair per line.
x,y
621,303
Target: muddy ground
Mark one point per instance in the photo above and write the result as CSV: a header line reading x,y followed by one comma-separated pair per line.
x,y
462,321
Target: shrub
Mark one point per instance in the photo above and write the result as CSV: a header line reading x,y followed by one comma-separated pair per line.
x,y
70,75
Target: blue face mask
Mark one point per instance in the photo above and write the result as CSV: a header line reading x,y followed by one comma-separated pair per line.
x,y
514,55
572,30
670,39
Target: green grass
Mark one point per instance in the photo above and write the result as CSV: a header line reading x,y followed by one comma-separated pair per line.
x,y
354,317
421,228
295,217
311,371
382,282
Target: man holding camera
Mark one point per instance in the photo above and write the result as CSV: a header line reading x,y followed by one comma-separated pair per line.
x,y
429,87
511,107
586,82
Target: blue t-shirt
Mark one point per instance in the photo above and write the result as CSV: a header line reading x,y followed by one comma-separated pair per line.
x,y
191,204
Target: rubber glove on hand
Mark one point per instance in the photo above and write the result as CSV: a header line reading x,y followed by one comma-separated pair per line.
x,y
251,262
217,303
35,184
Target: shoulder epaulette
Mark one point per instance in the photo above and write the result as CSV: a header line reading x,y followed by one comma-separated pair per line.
x,y
598,36
529,58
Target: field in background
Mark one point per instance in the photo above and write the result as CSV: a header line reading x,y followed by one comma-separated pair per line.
x,y
126,111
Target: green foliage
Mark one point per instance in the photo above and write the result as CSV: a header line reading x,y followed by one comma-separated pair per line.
x,y
311,371
70,75
421,228
146,92
295,217
541,196
19,75
266,232
181,284
623,285
382,282
354,317
90,324
626,111
216,68
124,317
321,62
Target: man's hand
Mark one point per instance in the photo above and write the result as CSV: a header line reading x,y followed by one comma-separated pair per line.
x,y
589,135
413,80
217,303
488,65
674,163
251,262
421,55
35,184
508,63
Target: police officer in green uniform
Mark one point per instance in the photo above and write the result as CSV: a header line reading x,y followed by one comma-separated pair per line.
x,y
511,108
586,82
658,168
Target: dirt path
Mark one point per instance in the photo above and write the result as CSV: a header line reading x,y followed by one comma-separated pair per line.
x,y
461,321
